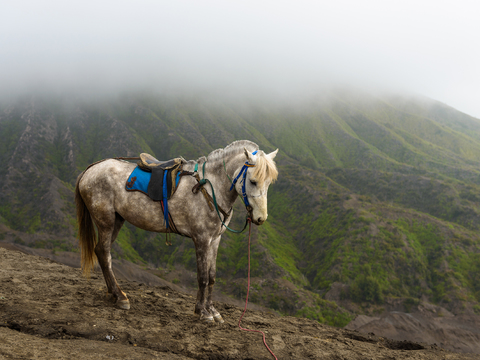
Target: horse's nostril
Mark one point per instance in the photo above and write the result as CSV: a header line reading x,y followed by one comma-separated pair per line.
x,y
260,220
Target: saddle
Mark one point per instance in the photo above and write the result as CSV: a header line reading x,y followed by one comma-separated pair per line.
x,y
159,181
162,180
148,162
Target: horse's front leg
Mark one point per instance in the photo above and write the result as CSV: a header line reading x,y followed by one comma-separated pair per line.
x,y
212,271
201,247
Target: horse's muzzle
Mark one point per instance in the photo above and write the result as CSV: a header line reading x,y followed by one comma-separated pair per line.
x,y
257,221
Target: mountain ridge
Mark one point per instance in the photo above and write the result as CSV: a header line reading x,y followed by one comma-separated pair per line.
x,y
398,183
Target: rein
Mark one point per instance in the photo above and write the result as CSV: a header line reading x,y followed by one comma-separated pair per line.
x,y
244,197
248,290
204,181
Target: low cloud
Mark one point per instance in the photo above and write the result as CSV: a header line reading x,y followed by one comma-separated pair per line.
x,y
272,47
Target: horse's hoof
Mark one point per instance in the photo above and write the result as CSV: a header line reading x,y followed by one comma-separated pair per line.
x,y
123,304
218,318
206,318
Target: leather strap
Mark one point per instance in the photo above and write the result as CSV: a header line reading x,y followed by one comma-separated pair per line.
x,y
208,197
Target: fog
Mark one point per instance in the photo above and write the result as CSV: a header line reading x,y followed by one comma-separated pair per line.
x,y
273,47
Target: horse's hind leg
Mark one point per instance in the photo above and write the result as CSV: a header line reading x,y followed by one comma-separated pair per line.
x,y
107,233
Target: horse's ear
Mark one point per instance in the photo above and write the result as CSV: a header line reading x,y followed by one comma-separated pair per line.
x,y
273,154
248,154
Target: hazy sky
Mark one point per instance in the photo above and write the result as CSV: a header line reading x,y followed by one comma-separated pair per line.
x,y
427,47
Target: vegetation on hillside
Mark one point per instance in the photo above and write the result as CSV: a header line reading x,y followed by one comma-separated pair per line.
x,y
381,195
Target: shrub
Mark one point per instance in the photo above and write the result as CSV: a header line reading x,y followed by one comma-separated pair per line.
x,y
366,288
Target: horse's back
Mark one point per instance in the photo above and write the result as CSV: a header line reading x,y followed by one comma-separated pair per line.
x,y
104,177
102,187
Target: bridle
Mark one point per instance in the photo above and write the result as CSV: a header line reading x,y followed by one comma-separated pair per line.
x,y
244,197
204,181
244,180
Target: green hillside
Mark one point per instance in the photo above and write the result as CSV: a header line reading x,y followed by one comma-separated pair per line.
x,y
378,195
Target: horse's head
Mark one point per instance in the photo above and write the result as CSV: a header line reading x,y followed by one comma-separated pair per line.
x,y
254,186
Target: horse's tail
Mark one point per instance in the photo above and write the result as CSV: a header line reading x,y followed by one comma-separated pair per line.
x,y
86,232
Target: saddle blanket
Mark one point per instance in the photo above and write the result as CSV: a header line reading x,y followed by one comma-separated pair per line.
x,y
153,183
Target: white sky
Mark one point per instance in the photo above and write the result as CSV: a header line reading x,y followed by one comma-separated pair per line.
x,y
427,47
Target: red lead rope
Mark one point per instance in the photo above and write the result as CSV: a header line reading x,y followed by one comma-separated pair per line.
x,y
248,290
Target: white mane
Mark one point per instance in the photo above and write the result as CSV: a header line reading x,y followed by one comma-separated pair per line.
x,y
265,168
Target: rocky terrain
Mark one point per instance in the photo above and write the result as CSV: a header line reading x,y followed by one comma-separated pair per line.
x,y
48,311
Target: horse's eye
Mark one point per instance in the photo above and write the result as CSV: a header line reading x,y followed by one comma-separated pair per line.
x,y
254,183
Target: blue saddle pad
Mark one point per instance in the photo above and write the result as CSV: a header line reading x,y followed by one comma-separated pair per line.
x,y
138,180
160,189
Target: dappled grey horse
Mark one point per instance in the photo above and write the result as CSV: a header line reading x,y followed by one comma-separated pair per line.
x,y
101,199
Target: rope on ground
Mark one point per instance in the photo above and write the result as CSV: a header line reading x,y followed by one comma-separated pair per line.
x,y
248,290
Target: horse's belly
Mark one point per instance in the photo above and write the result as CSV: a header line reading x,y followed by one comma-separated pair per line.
x,y
139,210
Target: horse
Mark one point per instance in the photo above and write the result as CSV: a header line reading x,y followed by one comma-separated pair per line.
x,y
102,200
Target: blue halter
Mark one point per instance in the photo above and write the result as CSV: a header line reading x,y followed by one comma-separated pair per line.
x,y
244,172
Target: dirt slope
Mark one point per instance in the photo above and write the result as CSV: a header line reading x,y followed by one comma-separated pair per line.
x,y
48,311
458,333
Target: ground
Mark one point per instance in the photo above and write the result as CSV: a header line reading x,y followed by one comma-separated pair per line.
x,y
49,311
